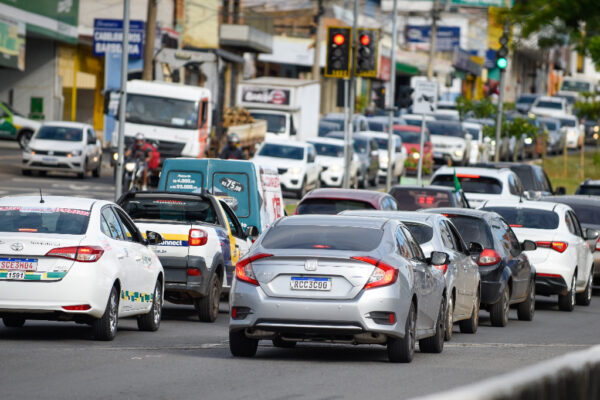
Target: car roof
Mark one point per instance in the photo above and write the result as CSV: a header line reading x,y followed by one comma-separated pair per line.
x,y
469,212
328,140
281,142
538,205
67,124
549,98
506,164
437,188
79,203
399,215
444,122
355,194
336,220
490,172
574,199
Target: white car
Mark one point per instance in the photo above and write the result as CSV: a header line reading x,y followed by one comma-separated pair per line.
x,y
330,158
399,155
480,146
63,146
481,184
416,119
545,106
563,259
446,115
573,131
76,259
450,142
295,162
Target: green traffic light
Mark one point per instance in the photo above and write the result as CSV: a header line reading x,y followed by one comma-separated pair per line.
x,y
502,63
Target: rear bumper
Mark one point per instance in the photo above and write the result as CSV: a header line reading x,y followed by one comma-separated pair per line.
x,y
546,285
181,287
491,291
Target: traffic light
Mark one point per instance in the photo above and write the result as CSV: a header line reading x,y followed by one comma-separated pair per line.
x,y
339,45
366,53
502,54
404,97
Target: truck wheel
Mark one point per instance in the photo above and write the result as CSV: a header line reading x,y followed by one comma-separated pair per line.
x,y
105,328
208,306
150,321
567,302
240,345
24,138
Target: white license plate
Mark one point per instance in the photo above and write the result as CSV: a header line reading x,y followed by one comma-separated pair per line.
x,y
19,264
308,283
437,154
16,275
50,160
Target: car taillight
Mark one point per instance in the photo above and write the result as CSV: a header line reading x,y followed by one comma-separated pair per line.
x,y
80,307
442,267
243,268
556,246
197,237
598,245
383,274
488,257
77,253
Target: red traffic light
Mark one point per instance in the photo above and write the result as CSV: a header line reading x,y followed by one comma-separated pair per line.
x,y
339,39
365,40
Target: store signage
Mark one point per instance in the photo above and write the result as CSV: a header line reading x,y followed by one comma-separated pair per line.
x,y
264,95
448,37
108,37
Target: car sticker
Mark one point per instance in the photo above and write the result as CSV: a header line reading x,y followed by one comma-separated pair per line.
x,y
137,297
231,184
38,276
45,210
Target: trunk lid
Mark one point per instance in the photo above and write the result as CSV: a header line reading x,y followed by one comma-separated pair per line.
x,y
540,255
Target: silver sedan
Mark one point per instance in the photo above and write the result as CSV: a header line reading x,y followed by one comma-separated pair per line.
x,y
463,282
341,280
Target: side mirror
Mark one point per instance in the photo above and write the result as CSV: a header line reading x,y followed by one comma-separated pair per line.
x,y
560,191
153,238
528,245
591,234
475,248
439,258
251,231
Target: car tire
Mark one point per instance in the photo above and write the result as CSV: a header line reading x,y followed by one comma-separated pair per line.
x,y
208,306
300,193
403,350
24,138
499,311
13,322
585,298
526,309
566,302
98,171
150,322
240,345
470,325
105,328
435,343
449,319
364,183
26,172
82,175
284,344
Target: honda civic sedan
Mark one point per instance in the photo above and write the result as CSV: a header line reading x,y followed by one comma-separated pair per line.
x,y
338,279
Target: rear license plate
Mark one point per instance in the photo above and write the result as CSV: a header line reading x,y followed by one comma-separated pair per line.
x,y
19,264
308,283
437,154
50,160
16,275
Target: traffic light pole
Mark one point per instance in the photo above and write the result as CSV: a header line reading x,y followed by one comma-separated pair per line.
x,y
499,115
390,173
350,125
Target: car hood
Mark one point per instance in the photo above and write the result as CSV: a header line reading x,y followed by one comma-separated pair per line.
x,y
326,161
276,162
55,145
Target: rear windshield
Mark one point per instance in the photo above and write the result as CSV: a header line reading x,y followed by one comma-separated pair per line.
x,y
445,129
408,136
282,151
526,176
549,104
328,149
60,133
527,217
591,190
415,199
526,100
471,184
376,126
473,230
587,214
322,237
414,121
331,206
192,210
62,221
571,123
550,125
421,233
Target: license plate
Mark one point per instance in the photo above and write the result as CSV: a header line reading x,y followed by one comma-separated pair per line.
x,y
19,264
308,283
16,275
50,160
437,154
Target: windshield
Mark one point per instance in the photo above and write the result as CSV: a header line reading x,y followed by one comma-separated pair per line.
x,y
549,104
473,230
382,143
329,150
331,206
471,184
377,126
575,86
61,133
527,217
360,146
571,123
550,125
445,129
325,128
415,199
165,209
282,151
62,221
275,122
474,132
413,121
421,233
162,111
526,100
322,237
408,136
588,189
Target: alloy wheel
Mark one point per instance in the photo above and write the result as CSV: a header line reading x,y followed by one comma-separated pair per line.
x,y
157,303
573,289
113,313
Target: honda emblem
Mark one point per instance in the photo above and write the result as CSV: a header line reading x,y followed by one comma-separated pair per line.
x,y
311,265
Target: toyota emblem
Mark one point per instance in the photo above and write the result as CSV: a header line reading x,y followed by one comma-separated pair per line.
x,y
17,246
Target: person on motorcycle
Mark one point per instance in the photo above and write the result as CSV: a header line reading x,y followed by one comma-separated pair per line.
x,y
232,150
142,153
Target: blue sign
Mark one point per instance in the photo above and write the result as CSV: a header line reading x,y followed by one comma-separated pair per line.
x,y
448,37
108,37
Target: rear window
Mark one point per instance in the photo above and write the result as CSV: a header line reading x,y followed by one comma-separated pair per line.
x,y
587,214
421,233
408,136
549,104
473,229
471,184
415,199
527,178
331,206
62,221
590,190
322,237
328,149
165,209
527,217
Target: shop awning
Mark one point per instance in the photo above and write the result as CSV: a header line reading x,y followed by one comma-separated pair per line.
x,y
406,69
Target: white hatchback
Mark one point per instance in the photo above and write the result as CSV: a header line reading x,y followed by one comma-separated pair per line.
x,y
82,260
563,260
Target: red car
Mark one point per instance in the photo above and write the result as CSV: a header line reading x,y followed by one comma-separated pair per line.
x,y
411,139
334,201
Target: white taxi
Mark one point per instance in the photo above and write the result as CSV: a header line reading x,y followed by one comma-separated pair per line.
x,y
76,259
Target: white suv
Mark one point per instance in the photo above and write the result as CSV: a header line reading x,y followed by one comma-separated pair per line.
x,y
545,106
481,184
563,259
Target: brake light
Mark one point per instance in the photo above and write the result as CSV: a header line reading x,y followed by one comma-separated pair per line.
x,y
193,272
556,246
516,226
488,257
548,275
442,267
467,176
598,245
243,268
80,307
77,253
426,199
197,237
383,274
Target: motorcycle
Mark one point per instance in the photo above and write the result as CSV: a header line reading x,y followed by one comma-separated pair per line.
x,y
133,174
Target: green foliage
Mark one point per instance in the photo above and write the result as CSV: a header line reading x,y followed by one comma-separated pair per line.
x,y
587,110
596,159
520,127
479,109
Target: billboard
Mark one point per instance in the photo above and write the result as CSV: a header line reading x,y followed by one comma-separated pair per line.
x,y
448,37
108,37
12,43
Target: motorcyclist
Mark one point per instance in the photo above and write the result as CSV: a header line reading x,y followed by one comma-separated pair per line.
x,y
232,150
142,153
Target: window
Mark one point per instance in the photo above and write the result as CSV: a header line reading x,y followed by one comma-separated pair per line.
x,y
235,227
388,203
453,129
167,208
569,223
113,225
403,247
473,229
527,217
374,145
91,138
282,151
501,234
129,229
203,112
322,237
415,199
446,236
576,224
275,122
416,249
420,232
161,111
471,184
60,133
512,187
515,247
331,206
460,246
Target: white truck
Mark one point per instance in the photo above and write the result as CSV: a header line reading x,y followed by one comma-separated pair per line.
x,y
290,106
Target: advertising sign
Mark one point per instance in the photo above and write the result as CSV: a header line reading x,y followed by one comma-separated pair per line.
x,y
108,37
448,37
265,95
12,43
425,98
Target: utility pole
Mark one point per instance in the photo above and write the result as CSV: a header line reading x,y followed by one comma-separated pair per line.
x,y
432,39
316,69
390,173
349,132
149,38
123,101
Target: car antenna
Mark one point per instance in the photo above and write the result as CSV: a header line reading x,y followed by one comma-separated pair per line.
x,y
41,197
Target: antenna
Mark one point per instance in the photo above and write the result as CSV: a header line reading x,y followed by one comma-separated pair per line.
x,y
41,197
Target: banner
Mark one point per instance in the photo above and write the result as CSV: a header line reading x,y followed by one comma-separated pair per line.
x,y
448,37
12,43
